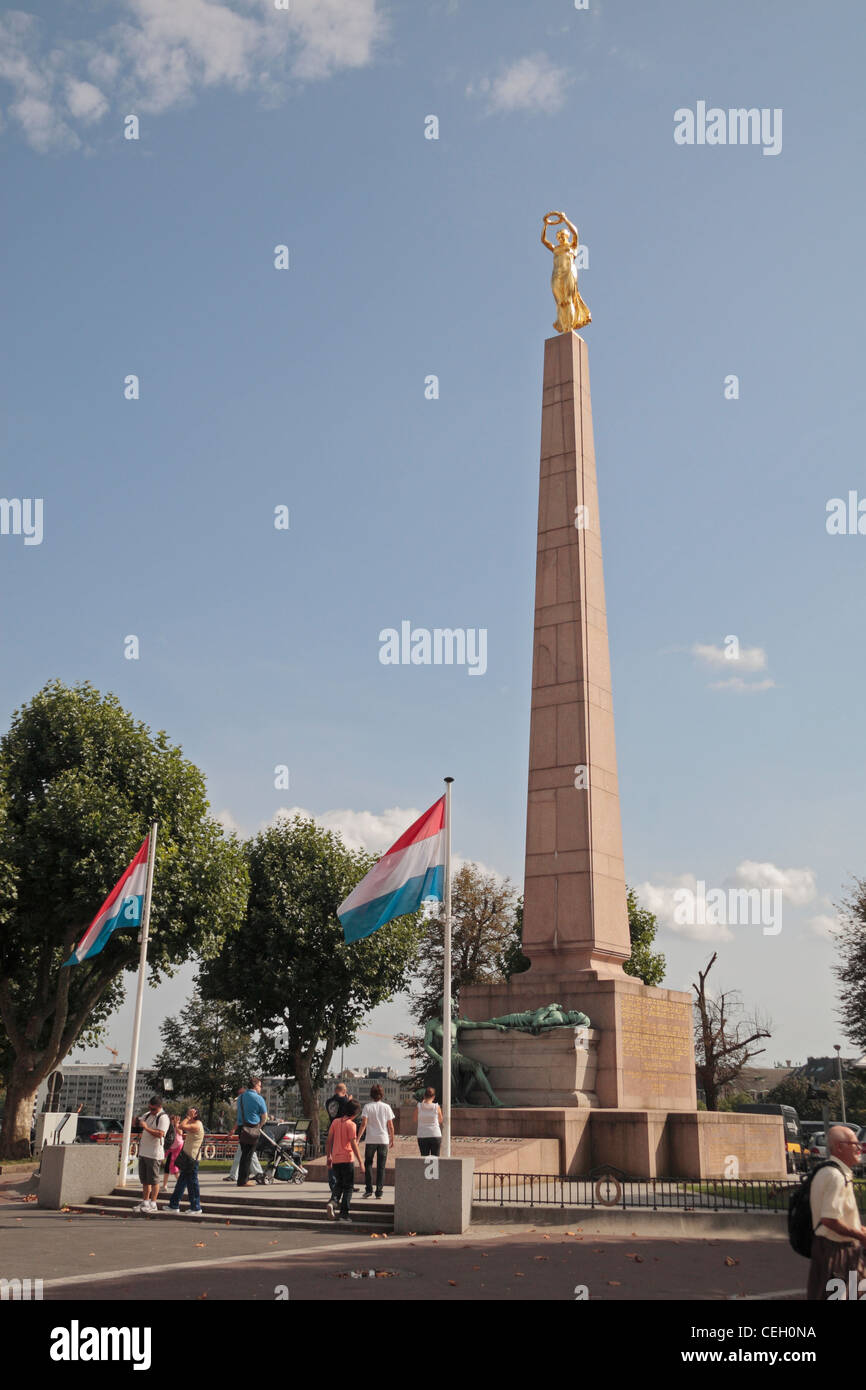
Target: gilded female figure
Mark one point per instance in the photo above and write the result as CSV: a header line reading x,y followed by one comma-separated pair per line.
x,y
571,311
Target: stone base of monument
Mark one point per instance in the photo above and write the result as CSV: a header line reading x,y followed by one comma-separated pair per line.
x,y
559,1064
644,1057
639,1143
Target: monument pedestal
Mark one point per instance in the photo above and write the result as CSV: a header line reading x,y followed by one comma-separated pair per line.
x,y
694,1145
644,1056
560,1064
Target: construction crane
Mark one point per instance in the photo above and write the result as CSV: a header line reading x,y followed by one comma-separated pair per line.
x,y
114,1052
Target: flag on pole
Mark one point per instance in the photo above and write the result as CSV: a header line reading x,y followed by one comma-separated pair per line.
x,y
413,869
122,908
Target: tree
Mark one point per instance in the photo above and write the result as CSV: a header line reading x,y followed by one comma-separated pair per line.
x,y
799,1092
486,924
205,1054
851,972
643,963
80,783
289,969
722,1037
486,946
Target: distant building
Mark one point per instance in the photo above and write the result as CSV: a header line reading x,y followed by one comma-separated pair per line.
x,y
98,1089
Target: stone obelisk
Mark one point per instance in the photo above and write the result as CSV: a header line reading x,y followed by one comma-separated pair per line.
x,y
575,916
575,919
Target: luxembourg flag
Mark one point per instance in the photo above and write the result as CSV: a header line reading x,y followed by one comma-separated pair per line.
x,y
122,908
413,869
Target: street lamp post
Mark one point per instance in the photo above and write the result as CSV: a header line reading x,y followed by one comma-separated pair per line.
x,y
838,1049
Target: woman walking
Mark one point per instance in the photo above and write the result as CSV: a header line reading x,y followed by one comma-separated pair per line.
x,y
192,1135
342,1151
428,1123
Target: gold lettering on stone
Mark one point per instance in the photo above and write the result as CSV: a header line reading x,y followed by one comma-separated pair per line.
x,y
656,1041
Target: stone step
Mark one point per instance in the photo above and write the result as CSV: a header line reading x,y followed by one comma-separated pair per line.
x,y
295,1199
242,1217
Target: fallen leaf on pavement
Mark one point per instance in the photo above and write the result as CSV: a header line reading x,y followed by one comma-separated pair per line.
x,y
199,1245
614,1283
729,1260
541,1257
453,1283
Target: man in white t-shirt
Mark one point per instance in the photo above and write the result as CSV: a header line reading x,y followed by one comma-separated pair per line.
x,y
377,1129
151,1153
838,1238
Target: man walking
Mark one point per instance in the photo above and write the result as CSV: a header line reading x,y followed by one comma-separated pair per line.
x,y
377,1128
151,1153
255,1166
252,1113
839,1237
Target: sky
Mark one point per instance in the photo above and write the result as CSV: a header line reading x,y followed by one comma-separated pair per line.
x,y
307,388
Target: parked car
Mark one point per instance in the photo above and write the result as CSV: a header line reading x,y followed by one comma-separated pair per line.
x,y
96,1129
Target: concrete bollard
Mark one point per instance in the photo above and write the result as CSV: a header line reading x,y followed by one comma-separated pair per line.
x,y
73,1173
433,1194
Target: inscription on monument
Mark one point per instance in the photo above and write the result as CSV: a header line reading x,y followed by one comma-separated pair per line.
x,y
656,1041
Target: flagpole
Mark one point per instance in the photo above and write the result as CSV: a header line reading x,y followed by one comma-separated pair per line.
x,y
139,1002
446,992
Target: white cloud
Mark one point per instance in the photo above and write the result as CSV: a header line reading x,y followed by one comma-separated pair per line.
x,y
825,926
747,659
85,102
161,53
369,830
663,899
230,825
533,84
335,34
797,886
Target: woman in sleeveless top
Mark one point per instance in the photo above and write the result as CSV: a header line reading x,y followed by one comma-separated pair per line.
x,y
428,1123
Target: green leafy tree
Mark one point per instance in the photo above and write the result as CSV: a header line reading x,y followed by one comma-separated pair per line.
x,y
205,1054
80,783
643,963
851,970
290,969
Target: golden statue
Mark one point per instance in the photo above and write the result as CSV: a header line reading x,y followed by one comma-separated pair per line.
x,y
571,312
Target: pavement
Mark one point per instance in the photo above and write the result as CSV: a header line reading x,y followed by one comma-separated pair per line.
x,y
92,1257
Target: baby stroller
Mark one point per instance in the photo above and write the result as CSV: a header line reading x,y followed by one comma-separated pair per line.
x,y
275,1150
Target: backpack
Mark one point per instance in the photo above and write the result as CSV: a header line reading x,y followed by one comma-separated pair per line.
x,y
800,1231
170,1135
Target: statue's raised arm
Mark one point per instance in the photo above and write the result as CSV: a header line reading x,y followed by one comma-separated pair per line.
x,y
571,227
551,219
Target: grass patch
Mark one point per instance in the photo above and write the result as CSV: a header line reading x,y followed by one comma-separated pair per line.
x,y
765,1196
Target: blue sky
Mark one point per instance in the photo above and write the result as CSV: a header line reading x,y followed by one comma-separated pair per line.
x,y
305,387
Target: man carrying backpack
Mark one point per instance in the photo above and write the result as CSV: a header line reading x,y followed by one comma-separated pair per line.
x,y
839,1237
154,1129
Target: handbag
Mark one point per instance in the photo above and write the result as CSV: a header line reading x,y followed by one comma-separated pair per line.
x,y
249,1135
